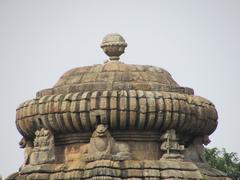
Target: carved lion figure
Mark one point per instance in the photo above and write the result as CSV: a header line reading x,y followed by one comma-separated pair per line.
x,y
196,151
103,146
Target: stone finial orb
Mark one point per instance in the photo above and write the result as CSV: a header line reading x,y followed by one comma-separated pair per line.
x,y
113,45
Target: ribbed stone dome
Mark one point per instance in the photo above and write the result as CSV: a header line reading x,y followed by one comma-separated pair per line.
x,y
126,97
116,121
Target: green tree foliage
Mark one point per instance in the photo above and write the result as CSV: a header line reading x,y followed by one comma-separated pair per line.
x,y
224,161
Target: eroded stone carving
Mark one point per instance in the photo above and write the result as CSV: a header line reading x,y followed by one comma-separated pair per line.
x,y
196,150
44,148
170,146
103,146
28,147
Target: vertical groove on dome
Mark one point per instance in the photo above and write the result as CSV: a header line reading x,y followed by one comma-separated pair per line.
x,y
58,104
142,109
65,108
187,117
160,110
113,111
123,109
133,109
104,107
175,111
168,110
182,112
151,109
52,119
75,116
94,106
84,111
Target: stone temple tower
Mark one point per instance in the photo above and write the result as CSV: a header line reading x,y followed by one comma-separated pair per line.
x,y
116,121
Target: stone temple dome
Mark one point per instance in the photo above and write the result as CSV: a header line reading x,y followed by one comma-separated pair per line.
x,y
116,121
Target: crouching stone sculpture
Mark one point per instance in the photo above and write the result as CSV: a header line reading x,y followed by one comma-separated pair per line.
x,y
43,151
103,146
27,145
196,150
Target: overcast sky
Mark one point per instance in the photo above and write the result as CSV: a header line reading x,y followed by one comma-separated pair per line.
x,y
198,42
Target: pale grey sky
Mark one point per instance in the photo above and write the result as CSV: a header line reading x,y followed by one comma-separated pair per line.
x,y
198,42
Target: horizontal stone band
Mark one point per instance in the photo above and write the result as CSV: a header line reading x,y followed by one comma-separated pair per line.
x,y
121,110
116,170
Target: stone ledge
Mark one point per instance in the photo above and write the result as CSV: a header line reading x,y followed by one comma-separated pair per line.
x,y
162,169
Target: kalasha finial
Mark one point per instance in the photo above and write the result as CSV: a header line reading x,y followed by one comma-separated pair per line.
x,y
113,45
